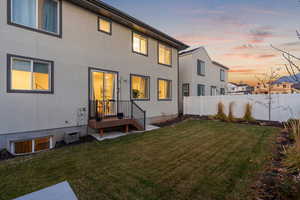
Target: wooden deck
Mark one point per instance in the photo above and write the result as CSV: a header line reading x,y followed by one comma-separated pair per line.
x,y
114,122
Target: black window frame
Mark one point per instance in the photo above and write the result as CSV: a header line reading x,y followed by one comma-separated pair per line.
x,y
222,72
147,41
222,91
171,88
149,83
211,90
188,89
203,89
199,67
8,76
171,56
60,15
105,19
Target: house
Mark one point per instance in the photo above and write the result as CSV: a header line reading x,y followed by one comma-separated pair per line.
x,y
239,89
70,62
200,75
276,88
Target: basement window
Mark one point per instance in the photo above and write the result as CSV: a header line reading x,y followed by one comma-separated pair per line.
x,y
31,146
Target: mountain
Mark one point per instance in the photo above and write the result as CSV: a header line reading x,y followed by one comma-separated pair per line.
x,y
289,79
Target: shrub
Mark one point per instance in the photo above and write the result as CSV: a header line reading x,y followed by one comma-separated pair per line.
x,y
231,117
292,160
293,126
248,113
221,114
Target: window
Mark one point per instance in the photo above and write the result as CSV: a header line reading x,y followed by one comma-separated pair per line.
x,y
31,146
29,75
140,87
222,74
104,25
213,90
200,68
222,91
200,90
41,15
186,90
139,44
164,55
164,89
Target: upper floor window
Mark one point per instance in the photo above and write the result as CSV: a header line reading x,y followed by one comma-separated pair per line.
x,y
164,55
139,44
186,89
164,89
42,15
29,75
104,25
222,74
140,87
200,68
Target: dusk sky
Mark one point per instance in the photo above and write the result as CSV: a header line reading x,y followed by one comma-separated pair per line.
x,y
236,33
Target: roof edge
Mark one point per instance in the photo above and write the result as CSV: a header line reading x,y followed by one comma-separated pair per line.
x,y
181,45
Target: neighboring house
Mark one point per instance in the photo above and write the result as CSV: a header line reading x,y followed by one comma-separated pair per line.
x,y
278,88
67,60
200,75
239,89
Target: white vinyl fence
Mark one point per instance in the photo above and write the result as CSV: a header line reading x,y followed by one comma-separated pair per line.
x,y
283,106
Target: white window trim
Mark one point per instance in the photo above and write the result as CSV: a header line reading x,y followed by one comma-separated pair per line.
x,y
37,18
12,145
31,73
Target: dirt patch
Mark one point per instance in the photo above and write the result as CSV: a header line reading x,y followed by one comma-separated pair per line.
x,y
171,122
276,183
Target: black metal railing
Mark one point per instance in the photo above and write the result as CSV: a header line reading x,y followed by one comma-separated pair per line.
x,y
100,110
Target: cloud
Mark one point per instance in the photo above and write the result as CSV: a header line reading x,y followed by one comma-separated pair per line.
x,y
193,39
242,71
244,47
260,34
264,56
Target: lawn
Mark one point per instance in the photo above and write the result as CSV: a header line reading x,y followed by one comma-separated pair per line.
x,y
192,160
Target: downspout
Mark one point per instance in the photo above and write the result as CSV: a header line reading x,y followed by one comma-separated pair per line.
x,y
178,84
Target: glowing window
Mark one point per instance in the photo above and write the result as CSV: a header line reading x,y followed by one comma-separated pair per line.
x,y
140,44
30,75
164,55
164,89
139,87
104,25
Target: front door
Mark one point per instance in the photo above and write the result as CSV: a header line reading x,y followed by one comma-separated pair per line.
x,y
103,92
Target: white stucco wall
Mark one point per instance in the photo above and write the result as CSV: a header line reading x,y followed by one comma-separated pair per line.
x,y
188,73
81,46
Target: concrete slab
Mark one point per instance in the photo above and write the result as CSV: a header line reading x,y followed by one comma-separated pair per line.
x,y
116,134
60,191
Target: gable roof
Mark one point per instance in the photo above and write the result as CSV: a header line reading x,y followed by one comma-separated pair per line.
x,y
123,18
189,50
220,65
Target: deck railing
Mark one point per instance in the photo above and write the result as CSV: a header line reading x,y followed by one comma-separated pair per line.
x,y
100,110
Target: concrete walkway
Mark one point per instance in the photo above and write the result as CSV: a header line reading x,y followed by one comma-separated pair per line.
x,y
117,134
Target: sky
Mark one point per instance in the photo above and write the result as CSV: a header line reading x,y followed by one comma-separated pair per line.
x,y
236,33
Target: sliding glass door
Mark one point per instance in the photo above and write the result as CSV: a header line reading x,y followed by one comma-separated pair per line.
x,y
103,92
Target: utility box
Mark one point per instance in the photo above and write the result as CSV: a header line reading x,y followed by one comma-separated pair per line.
x,y
71,137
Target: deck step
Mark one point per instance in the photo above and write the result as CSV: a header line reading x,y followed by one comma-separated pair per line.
x,y
114,122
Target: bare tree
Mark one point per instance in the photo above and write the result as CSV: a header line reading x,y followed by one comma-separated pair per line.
x,y
267,80
292,68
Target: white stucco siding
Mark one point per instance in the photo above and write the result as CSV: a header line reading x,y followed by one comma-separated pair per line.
x,y
81,46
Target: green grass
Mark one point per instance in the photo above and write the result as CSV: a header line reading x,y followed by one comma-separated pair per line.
x,y
192,160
